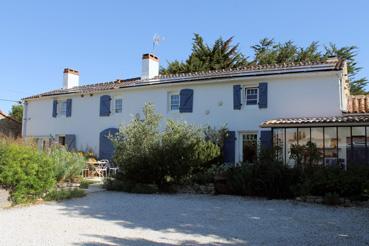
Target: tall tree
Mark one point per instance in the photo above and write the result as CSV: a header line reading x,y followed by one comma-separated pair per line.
x,y
267,51
223,54
17,112
349,53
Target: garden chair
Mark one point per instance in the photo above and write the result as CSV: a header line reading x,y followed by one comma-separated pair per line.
x,y
113,169
102,169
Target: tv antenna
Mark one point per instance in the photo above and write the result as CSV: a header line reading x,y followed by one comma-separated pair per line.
x,y
156,40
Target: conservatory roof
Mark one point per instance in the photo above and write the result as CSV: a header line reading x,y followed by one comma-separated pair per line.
x,y
343,120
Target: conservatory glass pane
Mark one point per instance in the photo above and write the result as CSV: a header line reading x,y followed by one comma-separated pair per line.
x,y
330,146
359,146
317,139
291,138
303,136
344,146
278,143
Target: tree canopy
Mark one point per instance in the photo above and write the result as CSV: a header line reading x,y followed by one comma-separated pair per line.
x,y
224,54
17,112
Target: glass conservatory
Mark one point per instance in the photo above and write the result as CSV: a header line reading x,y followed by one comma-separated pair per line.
x,y
341,141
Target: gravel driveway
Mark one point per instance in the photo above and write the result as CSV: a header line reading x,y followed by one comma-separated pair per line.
x,y
112,218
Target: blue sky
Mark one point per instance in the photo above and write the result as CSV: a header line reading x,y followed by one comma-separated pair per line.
x,y
104,40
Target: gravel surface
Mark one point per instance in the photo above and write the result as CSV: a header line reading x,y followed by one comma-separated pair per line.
x,y
113,218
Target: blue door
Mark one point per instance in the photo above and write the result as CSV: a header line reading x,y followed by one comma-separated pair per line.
x,y
106,148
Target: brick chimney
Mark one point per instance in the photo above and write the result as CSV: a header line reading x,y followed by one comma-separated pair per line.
x,y
150,66
71,78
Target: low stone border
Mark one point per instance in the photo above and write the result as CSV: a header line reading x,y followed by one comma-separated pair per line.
x,y
196,189
4,199
342,202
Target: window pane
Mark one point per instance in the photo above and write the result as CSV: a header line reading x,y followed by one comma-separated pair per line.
x,y
174,102
317,139
344,145
249,147
278,143
251,96
118,105
303,136
330,146
291,138
359,147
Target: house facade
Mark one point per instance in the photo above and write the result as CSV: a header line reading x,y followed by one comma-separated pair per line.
x,y
256,103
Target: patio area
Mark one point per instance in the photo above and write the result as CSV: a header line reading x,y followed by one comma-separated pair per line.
x,y
114,218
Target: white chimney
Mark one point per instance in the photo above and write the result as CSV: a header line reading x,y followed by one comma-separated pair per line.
x,y
150,66
71,78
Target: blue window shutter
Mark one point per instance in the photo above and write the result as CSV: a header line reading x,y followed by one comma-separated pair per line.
x,y
229,148
55,108
69,108
263,95
70,142
237,97
266,139
105,105
106,147
186,101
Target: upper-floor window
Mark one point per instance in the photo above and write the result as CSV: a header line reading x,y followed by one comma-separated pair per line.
x,y
62,108
118,105
173,101
251,95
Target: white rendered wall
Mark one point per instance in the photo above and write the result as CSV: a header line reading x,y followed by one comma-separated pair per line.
x,y
310,95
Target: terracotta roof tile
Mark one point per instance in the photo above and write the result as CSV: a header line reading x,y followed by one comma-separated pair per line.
x,y
358,104
253,70
318,121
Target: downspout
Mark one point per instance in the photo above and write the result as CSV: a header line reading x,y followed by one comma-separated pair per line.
x,y
25,119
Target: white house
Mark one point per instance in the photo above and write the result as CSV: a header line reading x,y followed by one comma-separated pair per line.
x,y
289,103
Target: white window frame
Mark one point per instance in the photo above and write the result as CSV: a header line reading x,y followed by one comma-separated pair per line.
x,y
170,94
61,111
246,88
115,104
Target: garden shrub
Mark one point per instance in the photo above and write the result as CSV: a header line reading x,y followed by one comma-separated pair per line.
x,y
27,173
145,155
59,195
271,180
68,165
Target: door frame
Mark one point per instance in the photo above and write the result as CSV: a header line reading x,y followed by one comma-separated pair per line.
x,y
240,142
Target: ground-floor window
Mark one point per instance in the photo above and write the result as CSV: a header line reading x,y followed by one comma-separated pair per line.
x,y
342,146
249,147
61,140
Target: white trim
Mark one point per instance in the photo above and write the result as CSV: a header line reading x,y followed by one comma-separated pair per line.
x,y
169,107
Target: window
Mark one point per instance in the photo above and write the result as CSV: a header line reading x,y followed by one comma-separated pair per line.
x,y
61,140
251,96
291,139
249,147
118,106
330,146
62,108
173,101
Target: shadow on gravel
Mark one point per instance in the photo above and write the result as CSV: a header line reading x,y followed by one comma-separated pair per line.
x,y
214,220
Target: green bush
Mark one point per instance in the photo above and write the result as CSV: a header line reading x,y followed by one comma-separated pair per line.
x,y
146,155
59,195
272,180
332,199
68,165
84,183
122,184
26,172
